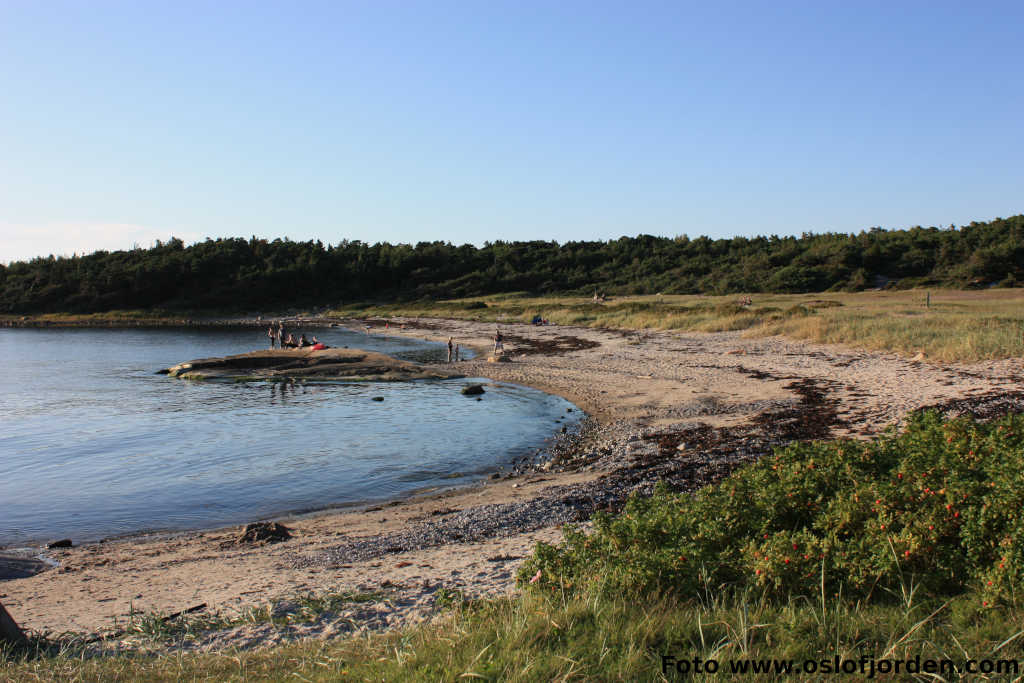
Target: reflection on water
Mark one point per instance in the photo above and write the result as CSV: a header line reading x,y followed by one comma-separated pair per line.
x,y
92,443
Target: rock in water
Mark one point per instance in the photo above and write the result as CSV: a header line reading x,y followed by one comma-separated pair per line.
x,y
62,543
473,390
263,532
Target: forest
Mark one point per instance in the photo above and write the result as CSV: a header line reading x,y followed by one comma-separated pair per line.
x,y
236,274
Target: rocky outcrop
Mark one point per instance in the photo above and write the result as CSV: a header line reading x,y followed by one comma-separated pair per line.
x,y
341,364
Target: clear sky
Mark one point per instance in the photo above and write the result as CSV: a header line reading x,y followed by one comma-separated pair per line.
x,y
407,121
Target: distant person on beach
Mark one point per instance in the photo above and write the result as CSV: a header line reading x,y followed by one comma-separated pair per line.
x,y
291,342
303,342
498,345
367,328
281,332
456,353
450,346
272,333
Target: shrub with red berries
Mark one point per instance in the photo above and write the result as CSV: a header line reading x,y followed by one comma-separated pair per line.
x,y
939,504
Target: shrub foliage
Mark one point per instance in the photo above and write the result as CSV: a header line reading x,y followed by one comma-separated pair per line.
x,y
936,507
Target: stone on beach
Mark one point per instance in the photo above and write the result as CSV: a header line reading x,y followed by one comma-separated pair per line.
x,y
263,532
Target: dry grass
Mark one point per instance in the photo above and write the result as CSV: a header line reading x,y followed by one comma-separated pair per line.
x,y
955,326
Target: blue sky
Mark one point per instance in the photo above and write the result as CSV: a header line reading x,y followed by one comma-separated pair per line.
x,y
125,122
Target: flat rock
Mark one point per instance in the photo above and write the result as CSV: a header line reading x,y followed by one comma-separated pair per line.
x,y
341,364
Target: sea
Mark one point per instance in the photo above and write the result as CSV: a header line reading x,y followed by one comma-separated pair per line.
x,y
95,444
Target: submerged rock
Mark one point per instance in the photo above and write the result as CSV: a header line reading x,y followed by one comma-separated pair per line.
x,y
473,390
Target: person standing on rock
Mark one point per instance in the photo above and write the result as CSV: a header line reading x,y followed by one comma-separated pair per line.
x,y
450,347
280,333
272,333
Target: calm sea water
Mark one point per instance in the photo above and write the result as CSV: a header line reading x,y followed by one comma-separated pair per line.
x,y
94,444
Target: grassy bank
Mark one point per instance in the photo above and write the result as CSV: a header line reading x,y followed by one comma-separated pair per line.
x,y
536,638
910,546
945,325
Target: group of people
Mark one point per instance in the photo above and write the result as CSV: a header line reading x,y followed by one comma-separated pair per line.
x,y
286,340
499,346
281,338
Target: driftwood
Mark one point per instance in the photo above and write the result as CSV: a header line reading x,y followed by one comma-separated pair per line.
x,y
9,631
190,610
120,632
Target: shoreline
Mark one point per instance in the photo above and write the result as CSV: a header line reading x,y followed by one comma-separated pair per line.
x,y
681,408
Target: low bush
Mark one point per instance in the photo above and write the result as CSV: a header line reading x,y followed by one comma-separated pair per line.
x,y
935,508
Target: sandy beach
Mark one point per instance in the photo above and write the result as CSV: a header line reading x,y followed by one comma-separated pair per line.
x,y
680,408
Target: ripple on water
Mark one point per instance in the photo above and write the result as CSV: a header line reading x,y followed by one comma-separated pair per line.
x,y
94,444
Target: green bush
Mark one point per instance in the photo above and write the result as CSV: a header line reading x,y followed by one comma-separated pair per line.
x,y
936,508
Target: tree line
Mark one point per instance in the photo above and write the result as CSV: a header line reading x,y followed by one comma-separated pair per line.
x,y
239,274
